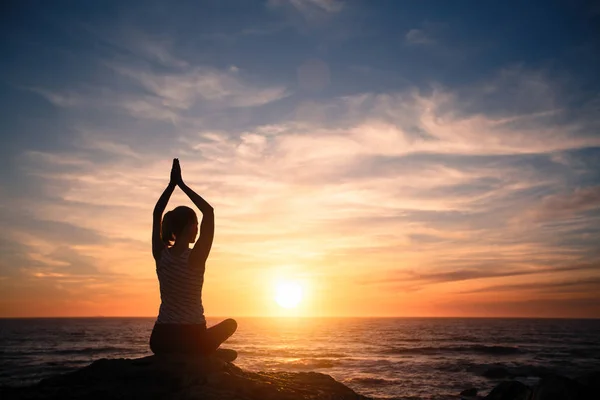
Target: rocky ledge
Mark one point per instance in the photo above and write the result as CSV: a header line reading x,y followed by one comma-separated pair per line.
x,y
181,378
549,387
213,378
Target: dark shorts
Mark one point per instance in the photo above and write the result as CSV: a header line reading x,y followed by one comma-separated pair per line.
x,y
189,338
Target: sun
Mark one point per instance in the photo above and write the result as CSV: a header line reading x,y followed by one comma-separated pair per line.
x,y
288,294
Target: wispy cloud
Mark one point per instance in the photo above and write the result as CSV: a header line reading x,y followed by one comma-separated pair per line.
x,y
565,205
586,284
165,88
310,7
171,94
62,99
181,91
418,37
157,48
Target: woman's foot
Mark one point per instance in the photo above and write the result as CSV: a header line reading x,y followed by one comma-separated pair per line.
x,y
228,355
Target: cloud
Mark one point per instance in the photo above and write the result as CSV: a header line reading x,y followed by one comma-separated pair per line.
x,y
491,268
418,37
171,94
157,48
483,273
62,99
565,205
310,16
27,226
264,30
99,98
331,6
151,108
587,284
181,91
310,7
99,143
154,84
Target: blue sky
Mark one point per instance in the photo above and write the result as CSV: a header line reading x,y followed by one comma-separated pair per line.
x,y
441,158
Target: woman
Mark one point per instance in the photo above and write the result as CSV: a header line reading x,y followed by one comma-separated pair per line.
x,y
181,326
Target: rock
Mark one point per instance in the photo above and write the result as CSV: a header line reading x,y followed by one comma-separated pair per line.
x,y
559,388
549,387
218,379
591,380
180,377
469,392
509,390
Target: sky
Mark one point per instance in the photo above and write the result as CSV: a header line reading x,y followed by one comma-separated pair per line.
x,y
393,158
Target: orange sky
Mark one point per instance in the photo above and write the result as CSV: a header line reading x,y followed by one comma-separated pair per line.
x,y
344,271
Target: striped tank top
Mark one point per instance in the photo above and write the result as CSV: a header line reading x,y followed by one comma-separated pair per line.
x,y
180,290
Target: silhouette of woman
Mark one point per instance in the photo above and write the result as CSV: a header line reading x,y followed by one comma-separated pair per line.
x,y
181,326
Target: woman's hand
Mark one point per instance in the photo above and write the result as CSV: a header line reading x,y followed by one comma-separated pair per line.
x,y
176,173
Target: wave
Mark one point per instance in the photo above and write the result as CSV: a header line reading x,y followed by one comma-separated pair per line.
x,y
478,349
309,363
81,351
93,350
266,352
371,381
501,371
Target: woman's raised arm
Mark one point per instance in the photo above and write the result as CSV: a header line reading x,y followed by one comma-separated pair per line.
x,y
207,227
159,209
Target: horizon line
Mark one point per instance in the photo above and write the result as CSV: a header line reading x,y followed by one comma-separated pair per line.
x,y
311,317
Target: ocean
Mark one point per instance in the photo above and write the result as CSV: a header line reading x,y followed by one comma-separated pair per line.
x,y
392,358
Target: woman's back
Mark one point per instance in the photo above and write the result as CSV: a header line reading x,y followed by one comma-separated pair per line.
x,y
180,290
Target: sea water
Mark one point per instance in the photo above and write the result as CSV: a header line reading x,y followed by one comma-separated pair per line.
x,y
425,358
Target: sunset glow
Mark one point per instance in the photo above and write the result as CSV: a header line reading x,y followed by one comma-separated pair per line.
x,y
389,160
288,294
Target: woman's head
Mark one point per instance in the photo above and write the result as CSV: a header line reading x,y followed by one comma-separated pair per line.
x,y
180,223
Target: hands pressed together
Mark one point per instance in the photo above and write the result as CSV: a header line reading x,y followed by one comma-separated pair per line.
x,y
176,178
